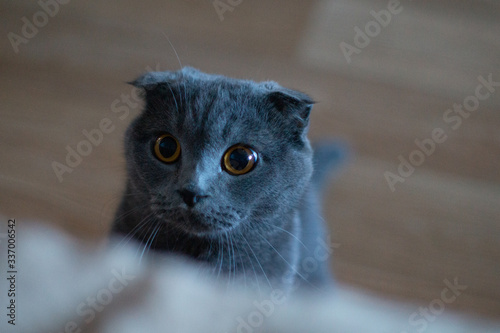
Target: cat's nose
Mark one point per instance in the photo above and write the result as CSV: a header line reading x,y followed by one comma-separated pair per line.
x,y
190,197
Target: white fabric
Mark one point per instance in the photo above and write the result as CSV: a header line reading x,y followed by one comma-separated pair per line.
x,y
58,280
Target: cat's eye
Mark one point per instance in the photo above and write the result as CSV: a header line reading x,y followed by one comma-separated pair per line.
x,y
167,149
239,159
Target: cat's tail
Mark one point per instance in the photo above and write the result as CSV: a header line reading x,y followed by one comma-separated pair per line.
x,y
328,159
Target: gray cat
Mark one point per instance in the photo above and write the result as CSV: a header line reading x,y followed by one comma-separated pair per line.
x,y
221,170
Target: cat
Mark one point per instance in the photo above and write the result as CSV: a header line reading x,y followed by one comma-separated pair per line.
x,y
221,170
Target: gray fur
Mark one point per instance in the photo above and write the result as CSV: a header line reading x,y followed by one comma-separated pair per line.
x,y
257,227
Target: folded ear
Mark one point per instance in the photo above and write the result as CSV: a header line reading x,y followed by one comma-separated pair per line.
x,y
294,105
151,80
158,88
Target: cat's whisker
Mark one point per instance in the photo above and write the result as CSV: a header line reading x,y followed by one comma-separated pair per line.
x,y
150,240
220,255
231,254
225,239
182,100
230,249
127,213
145,233
258,261
286,231
173,48
289,265
130,235
242,262
232,262
185,92
175,99
251,263
130,211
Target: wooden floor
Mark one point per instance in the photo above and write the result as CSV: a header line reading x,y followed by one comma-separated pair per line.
x,y
442,222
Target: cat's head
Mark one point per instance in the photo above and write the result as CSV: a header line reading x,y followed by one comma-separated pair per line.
x,y
210,154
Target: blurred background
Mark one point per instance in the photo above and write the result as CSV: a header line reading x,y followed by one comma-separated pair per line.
x,y
384,74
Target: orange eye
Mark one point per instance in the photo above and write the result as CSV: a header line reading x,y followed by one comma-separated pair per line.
x,y
167,149
239,159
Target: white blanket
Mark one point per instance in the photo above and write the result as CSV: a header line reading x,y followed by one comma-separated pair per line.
x,y
61,285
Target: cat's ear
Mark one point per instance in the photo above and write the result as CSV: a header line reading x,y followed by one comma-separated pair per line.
x,y
294,105
156,88
153,80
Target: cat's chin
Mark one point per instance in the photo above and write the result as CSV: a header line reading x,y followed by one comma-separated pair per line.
x,y
201,224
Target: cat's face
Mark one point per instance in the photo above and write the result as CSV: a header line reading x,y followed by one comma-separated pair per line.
x,y
210,154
